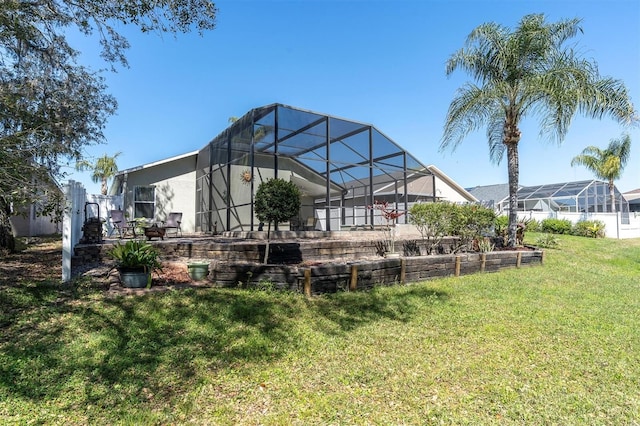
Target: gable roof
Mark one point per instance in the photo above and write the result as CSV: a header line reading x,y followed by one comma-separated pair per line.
x,y
633,195
157,163
442,176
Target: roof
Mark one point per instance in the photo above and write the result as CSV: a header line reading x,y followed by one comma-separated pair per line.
x,y
495,193
351,149
440,174
632,195
555,190
157,163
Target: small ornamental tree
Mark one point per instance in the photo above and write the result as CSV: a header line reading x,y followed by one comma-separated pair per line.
x,y
390,215
276,200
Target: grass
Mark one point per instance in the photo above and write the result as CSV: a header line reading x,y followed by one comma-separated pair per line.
x,y
551,344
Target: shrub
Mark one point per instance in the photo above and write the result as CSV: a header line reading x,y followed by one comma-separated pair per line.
x,y
556,226
501,226
433,221
485,245
534,225
470,222
547,241
501,229
589,228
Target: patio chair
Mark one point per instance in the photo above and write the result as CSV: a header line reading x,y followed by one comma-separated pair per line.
x,y
173,221
120,224
294,224
310,224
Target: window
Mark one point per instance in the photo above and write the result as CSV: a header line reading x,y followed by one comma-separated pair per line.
x,y
144,201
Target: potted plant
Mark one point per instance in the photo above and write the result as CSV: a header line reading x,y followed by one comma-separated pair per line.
x,y
198,270
135,261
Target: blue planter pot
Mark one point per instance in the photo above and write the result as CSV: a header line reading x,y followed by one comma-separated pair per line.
x,y
135,279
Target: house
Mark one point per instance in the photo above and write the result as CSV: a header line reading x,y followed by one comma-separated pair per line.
x,y
492,196
154,190
340,166
633,197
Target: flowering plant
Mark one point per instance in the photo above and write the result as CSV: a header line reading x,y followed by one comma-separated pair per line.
x,y
390,215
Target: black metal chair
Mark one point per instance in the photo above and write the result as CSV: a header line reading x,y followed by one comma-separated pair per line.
x,y
173,221
120,224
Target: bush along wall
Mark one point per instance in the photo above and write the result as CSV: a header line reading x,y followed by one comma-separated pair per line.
x,y
584,228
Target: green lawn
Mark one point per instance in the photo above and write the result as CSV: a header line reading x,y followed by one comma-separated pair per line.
x,y
551,344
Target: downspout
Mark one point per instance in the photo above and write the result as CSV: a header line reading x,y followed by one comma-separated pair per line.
x,y
433,180
124,192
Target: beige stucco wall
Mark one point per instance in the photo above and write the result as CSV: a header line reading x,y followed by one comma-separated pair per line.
x,y
175,186
445,192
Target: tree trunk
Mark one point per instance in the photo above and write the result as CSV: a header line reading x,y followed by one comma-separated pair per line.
x,y
511,139
7,240
612,194
266,249
103,186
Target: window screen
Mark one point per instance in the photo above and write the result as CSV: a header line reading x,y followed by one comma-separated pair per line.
x,y
144,201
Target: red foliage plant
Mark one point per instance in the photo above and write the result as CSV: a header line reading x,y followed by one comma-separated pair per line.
x,y
389,214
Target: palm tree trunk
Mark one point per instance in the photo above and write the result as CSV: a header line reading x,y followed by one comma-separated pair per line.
x,y
612,194
103,186
511,138
514,173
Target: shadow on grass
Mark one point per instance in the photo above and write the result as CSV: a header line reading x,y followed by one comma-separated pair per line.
x,y
351,310
104,352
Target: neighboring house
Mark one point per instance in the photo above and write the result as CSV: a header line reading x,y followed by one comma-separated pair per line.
x,y
492,196
340,166
633,197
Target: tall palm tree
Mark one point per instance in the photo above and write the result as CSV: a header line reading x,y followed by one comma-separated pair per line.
x,y
527,72
102,170
608,163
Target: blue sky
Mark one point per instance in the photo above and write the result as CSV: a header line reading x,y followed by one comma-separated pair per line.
x,y
378,62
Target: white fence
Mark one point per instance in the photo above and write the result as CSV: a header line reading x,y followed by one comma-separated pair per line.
x,y
78,208
614,228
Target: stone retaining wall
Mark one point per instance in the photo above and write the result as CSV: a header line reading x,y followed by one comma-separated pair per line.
x,y
280,252
321,266
365,274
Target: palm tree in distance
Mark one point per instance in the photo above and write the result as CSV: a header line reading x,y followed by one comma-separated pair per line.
x,y
608,163
102,170
527,72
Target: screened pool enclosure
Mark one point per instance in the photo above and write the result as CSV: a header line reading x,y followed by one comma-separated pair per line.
x,y
340,166
589,196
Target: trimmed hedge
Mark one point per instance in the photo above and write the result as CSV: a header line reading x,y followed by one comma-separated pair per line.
x,y
557,226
